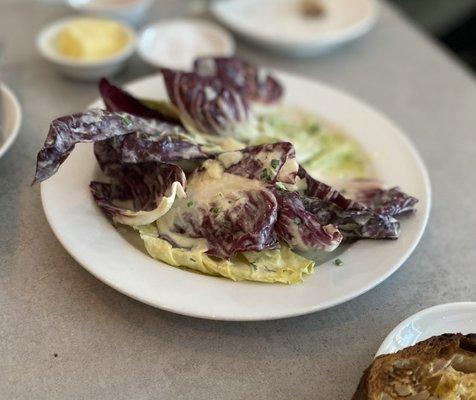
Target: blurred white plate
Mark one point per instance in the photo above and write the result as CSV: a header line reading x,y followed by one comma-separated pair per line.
x,y
444,318
93,241
177,43
10,118
280,25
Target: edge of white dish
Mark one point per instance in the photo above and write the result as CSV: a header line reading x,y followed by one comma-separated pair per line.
x,y
8,96
143,47
438,310
301,48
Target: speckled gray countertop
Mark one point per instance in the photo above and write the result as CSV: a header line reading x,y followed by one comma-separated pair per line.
x,y
64,334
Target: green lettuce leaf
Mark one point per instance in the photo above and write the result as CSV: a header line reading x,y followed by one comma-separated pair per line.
x,y
332,156
280,265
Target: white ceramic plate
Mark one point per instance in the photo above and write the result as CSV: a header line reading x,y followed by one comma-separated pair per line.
x,y
10,118
444,318
279,25
177,43
91,239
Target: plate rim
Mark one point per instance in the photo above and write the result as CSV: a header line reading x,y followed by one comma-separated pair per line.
x,y
276,315
324,41
439,307
4,89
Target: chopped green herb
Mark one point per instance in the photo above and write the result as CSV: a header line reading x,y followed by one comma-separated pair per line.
x,y
274,163
297,221
193,259
280,186
254,266
127,120
338,262
265,176
190,204
214,210
314,127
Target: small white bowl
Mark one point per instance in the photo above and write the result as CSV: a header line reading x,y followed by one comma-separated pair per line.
x,y
177,43
10,118
89,70
444,318
131,11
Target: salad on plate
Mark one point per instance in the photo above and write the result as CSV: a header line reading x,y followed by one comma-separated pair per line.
x,y
225,180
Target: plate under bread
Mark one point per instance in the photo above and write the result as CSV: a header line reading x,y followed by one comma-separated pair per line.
x,y
443,318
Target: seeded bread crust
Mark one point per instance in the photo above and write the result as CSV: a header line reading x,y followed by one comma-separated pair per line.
x,y
380,374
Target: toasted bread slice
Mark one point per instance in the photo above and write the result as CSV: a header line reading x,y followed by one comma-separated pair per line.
x,y
442,367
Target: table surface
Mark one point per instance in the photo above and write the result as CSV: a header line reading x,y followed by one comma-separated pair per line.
x,y
64,334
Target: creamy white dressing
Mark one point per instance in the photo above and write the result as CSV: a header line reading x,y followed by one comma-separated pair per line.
x,y
186,242
131,218
299,244
289,168
219,143
298,185
209,189
230,158
266,159
206,187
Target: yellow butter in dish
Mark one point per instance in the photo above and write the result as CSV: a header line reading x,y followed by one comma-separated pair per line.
x,y
91,39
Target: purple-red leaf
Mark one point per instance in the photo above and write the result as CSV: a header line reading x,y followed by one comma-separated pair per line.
x,y
320,190
244,227
91,126
300,229
266,162
352,223
138,147
205,102
391,202
143,184
232,214
251,82
117,99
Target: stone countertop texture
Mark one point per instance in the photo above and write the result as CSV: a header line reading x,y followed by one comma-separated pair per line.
x,y
64,334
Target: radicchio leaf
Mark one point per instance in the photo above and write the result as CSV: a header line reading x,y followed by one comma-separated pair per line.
x,y
320,190
134,174
301,229
391,202
109,155
352,223
139,147
117,99
355,219
267,162
206,103
90,126
155,190
245,78
238,216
